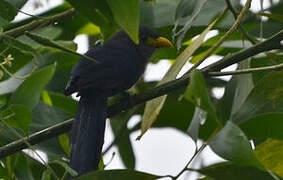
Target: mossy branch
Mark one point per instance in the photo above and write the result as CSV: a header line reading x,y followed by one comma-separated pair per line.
x,y
273,43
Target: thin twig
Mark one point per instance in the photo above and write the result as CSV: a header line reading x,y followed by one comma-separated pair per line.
x,y
197,152
18,31
250,38
245,71
224,37
122,129
31,15
43,135
24,76
116,140
270,44
231,8
33,150
50,43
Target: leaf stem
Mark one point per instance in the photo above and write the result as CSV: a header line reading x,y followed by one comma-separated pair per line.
x,y
270,44
197,152
30,147
224,37
47,42
245,71
18,31
231,8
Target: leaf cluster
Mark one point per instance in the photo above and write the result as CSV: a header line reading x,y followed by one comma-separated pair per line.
x,y
37,54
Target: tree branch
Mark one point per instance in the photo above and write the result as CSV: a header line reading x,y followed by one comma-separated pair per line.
x,y
50,43
270,44
225,36
231,8
245,71
38,23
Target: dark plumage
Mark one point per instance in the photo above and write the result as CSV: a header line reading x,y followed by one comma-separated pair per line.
x,y
122,62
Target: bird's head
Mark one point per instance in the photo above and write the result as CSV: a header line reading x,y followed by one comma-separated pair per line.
x,y
149,41
148,37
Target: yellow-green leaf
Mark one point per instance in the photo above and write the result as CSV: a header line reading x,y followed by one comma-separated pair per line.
x,y
17,116
28,94
276,17
270,154
65,143
154,106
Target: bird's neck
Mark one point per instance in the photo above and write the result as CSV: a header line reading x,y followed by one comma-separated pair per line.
x,y
146,52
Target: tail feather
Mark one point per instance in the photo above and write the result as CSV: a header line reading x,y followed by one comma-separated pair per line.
x,y
88,133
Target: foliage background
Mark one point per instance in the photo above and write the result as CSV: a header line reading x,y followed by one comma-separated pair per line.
x,y
252,103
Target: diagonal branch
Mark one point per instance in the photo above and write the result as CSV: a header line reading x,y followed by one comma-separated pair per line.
x,y
225,36
18,31
273,43
246,71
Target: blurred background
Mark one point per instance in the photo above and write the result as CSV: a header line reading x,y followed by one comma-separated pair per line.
x,y
161,151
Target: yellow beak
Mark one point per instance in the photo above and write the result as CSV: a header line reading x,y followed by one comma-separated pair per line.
x,y
160,42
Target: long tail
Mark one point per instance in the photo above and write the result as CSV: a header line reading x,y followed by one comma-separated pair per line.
x,y
88,133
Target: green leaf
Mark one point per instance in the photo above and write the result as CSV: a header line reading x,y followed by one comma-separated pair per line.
x,y
17,116
64,63
264,126
18,3
126,150
45,116
226,170
153,107
264,98
21,53
242,89
46,175
120,130
21,168
158,13
197,93
101,165
168,116
186,16
270,60
126,14
11,84
50,43
276,17
89,29
7,11
28,93
65,143
46,98
10,41
68,44
185,8
49,32
118,174
270,153
67,104
232,144
225,105
98,12
16,167
66,167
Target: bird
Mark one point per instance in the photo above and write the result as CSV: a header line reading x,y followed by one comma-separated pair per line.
x,y
121,62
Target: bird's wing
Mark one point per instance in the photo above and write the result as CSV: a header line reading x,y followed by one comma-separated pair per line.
x,y
114,67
